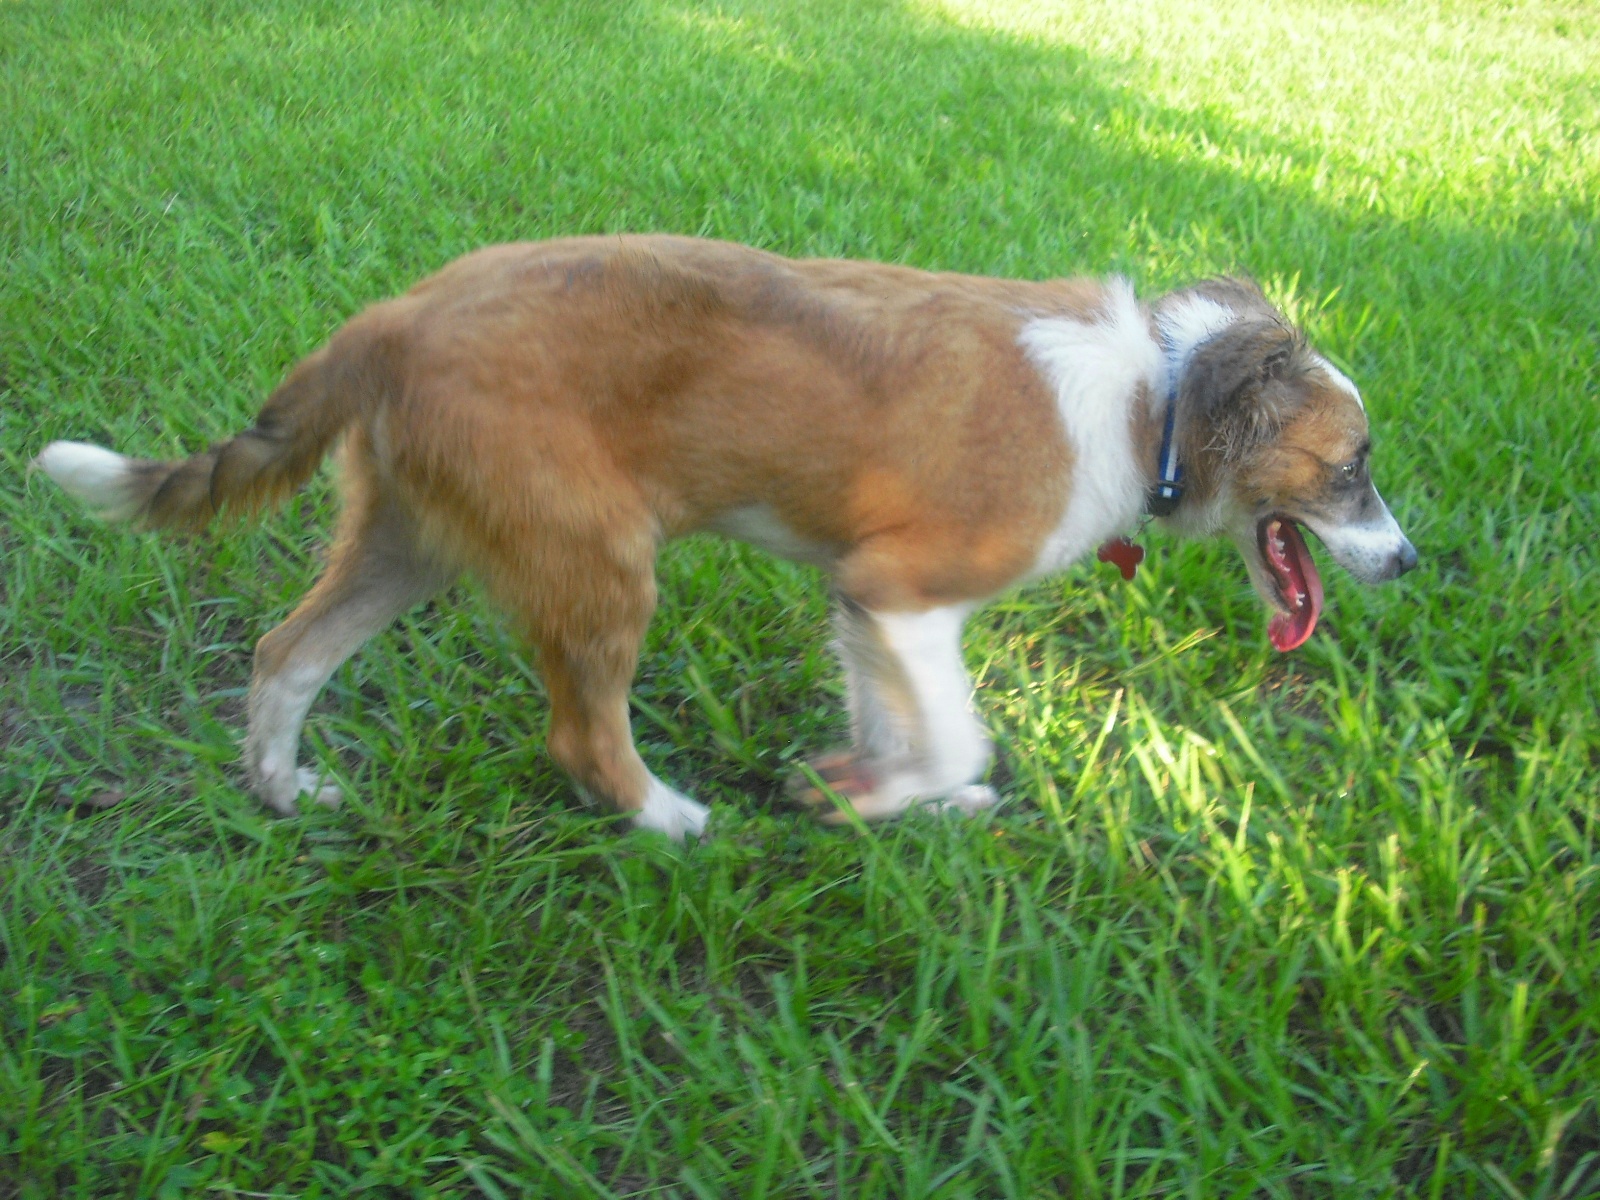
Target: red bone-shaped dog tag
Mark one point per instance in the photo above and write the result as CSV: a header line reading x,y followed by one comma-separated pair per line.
x,y
1124,554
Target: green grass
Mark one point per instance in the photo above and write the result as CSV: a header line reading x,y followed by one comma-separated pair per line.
x,y
1325,925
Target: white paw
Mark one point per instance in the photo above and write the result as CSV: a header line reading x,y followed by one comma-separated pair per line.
x,y
326,794
671,813
280,789
969,800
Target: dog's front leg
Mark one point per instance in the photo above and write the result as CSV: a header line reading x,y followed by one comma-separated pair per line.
x,y
916,736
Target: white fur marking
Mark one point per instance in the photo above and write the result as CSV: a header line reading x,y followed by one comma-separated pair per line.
x,y
951,746
671,813
312,784
1340,380
92,474
1188,322
1095,369
278,708
971,800
1368,550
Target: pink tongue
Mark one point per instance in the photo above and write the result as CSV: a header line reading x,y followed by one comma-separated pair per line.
x,y
1290,561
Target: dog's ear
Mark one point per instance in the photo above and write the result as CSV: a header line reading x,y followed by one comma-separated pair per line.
x,y
1235,392
1239,292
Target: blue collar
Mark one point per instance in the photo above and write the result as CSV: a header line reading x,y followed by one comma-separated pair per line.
x,y
1162,499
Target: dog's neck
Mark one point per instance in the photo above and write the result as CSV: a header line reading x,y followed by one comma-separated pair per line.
x,y
1183,324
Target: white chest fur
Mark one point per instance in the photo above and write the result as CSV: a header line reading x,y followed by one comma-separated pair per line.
x,y
1096,369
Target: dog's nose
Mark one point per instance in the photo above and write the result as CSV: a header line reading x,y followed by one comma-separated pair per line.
x,y
1405,558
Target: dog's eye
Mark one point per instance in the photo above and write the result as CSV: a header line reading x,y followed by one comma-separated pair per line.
x,y
1351,469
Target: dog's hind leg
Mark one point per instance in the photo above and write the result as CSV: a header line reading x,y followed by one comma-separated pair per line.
x,y
375,572
917,738
585,603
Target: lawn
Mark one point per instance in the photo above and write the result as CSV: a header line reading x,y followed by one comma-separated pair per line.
x,y
1317,925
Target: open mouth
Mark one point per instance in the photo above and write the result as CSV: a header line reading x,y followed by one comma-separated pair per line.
x,y
1295,576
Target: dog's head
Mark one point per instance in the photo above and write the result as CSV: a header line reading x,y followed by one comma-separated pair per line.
x,y
1273,436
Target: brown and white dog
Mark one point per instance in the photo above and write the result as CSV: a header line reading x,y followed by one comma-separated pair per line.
x,y
545,415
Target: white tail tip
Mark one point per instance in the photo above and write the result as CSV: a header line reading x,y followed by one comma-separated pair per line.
x,y
96,476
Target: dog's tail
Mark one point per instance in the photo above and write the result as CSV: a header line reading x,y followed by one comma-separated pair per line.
x,y
323,395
